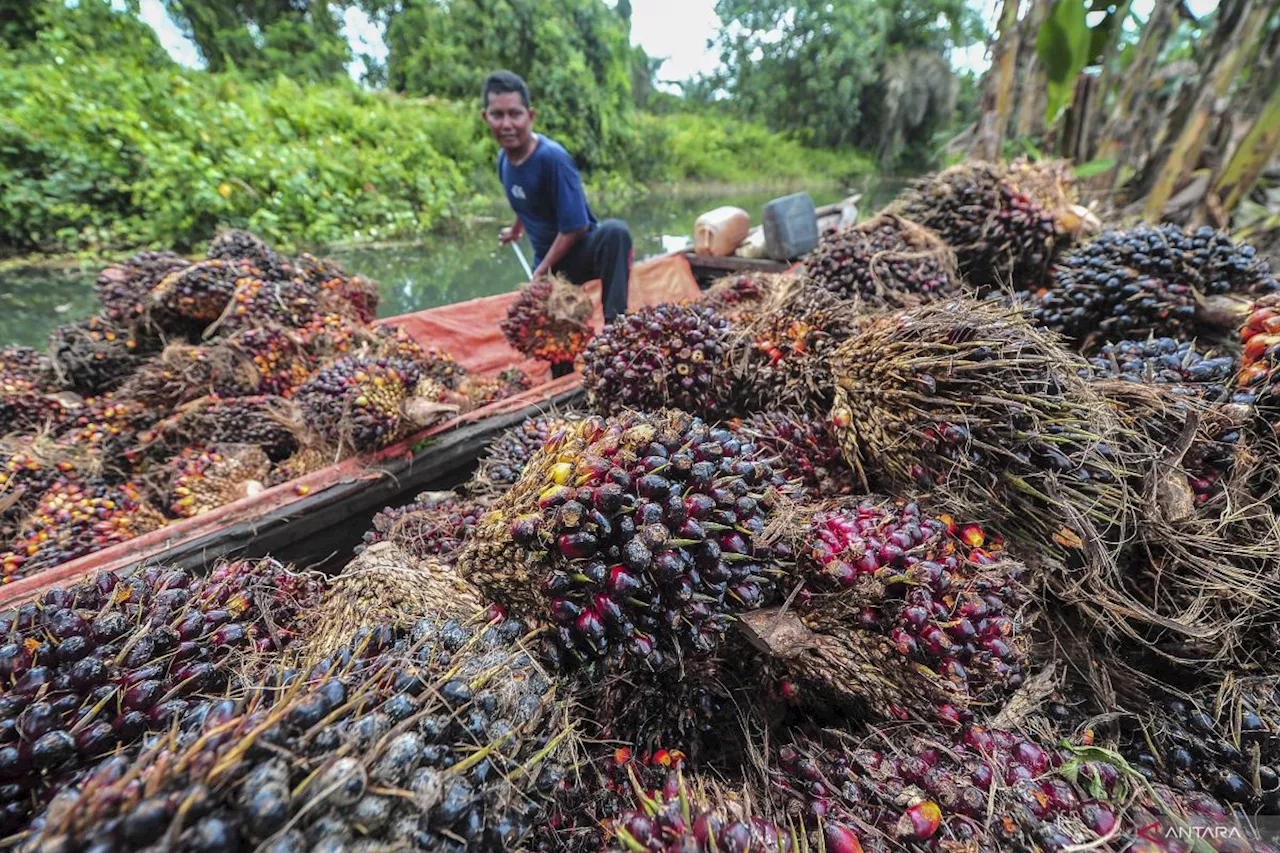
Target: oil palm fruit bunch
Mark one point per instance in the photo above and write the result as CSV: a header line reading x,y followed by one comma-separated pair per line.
x,y
358,403
342,293
393,341
504,459
434,525
237,244
201,291
1000,235
635,536
279,358
781,356
257,302
124,289
970,402
737,296
28,365
902,615
549,320
92,668
442,736
271,423
1146,281
75,517
304,461
1165,361
94,356
1260,337
887,261
205,478
110,428
332,335
29,467
698,817
803,447
481,391
657,357
984,790
26,407
185,372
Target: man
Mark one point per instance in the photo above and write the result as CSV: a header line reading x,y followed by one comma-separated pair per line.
x,y
545,191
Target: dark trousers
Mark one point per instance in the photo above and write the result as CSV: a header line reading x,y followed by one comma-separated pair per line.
x,y
604,253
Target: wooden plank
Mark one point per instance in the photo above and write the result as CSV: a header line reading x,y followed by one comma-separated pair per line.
x,y
733,263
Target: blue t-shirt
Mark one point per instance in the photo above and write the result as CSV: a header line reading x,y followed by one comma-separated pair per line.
x,y
546,193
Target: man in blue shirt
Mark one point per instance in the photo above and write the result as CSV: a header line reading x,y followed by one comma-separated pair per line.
x,y
545,191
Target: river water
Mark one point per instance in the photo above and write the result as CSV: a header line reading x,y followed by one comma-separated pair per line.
x,y
440,270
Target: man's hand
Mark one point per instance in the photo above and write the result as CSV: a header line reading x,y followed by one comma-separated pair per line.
x,y
541,272
507,236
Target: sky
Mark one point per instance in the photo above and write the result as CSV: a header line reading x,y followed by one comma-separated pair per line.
x,y
676,30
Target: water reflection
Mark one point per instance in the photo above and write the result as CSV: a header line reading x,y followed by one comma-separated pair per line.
x,y
441,270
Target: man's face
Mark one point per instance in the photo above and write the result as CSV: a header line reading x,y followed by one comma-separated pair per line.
x,y
509,119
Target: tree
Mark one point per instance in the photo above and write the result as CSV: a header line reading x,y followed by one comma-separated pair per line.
x,y
834,72
298,38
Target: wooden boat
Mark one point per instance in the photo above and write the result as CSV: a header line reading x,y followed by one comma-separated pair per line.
x,y
326,506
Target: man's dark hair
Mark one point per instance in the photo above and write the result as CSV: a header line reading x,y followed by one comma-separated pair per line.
x,y
504,82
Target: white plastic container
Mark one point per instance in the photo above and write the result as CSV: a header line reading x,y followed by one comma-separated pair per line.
x,y
720,231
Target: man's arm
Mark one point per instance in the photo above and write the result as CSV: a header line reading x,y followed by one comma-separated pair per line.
x,y
559,248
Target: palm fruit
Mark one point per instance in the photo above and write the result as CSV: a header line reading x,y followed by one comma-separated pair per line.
x,y
885,262
1146,281
307,460
202,291
684,817
968,401
443,736
27,365
435,525
29,467
901,615
90,669
239,245
985,790
76,517
662,356
735,297
549,320
183,372
1165,361
270,423
636,536
781,356
1000,235
110,429
481,391
504,459
257,302
26,407
393,341
205,478
803,448
94,356
279,358
1260,337
341,293
358,404
603,787
332,335
124,289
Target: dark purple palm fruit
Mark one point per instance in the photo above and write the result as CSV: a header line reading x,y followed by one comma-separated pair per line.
x,y
662,356
268,302
77,516
1000,235
638,537
27,365
803,448
89,670
358,403
202,291
279,357
94,356
1148,281
887,261
699,817
505,458
124,289
442,735
26,407
902,616
239,245
985,790
1203,375
434,525
392,341
781,355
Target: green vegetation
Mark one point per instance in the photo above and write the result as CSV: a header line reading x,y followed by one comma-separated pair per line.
x,y
106,144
